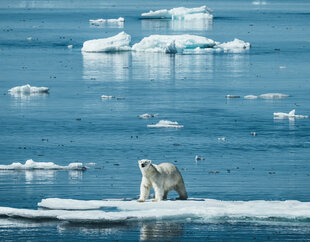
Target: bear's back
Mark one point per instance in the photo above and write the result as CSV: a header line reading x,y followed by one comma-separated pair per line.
x,y
167,168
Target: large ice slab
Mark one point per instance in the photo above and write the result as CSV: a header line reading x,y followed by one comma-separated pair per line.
x,y
173,43
202,210
101,20
28,90
273,95
165,124
119,42
290,115
180,13
32,165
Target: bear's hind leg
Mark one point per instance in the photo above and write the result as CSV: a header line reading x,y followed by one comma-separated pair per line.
x,y
180,189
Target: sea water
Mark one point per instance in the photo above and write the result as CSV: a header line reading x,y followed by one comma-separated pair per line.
x,y
247,154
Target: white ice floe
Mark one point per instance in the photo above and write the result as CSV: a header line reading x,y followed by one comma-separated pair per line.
x,y
232,96
28,90
221,139
101,20
148,115
180,13
250,97
290,115
70,46
273,95
235,46
119,42
106,97
202,210
32,165
259,2
173,43
165,124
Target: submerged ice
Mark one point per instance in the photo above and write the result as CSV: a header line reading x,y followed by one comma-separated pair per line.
x,y
32,165
202,210
172,44
180,13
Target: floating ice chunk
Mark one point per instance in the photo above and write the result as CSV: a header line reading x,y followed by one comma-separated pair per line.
x,y
106,97
235,46
289,115
221,139
232,96
101,20
198,158
148,115
202,210
27,90
259,3
273,95
165,124
119,42
32,165
283,67
70,46
180,13
250,97
172,43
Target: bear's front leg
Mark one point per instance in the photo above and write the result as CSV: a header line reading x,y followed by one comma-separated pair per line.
x,y
145,188
159,193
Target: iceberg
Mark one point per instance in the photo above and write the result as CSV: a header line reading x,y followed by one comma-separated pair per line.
x,y
32,165
173,43
199,210
165,124
101,20
119,42
28,90
273,95
180,13
235,46
290,115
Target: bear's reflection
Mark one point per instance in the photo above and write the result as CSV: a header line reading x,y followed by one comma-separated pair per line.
x,y
161,231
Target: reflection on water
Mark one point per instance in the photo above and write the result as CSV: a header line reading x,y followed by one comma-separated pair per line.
x,y
126,66
161,231
177,24
106,24
99,66
22,99
46,176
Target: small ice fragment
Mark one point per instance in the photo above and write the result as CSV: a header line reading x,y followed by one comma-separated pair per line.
x,y
70,46
282,67
253,133
290,115
250,97
119,42
91,164
148,115
221,139
106,97
165,124
232,96
101,20
27,90
235,46
29,38
273,95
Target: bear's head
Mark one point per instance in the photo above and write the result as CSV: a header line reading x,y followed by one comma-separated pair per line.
x,y
144,164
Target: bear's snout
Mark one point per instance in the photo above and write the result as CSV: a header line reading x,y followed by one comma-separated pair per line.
x,y
143,165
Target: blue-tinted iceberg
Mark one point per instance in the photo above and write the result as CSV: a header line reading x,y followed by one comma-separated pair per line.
x,y
119,42
28,90
180,13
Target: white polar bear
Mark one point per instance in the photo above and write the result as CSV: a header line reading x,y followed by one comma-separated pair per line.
x,y
163,178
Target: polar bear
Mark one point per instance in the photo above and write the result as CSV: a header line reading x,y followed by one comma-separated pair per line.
x,y
163,178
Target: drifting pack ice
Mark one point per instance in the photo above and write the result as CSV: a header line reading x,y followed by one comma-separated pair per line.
x,y
101,20
290,115
32,165
173,44
165,124
180,13
27,90
267,96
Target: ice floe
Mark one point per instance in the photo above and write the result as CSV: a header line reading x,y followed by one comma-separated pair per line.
x,y
250,97
106,97
101,20
172,44
232,96
165,124
273,95
180,13
148,115
119,42
32,165
202,210
28,90
290,115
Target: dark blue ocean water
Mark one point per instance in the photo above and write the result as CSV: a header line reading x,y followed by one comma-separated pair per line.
x,y
73,124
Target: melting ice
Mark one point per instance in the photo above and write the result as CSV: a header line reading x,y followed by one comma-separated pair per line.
x,y
28,90
32,165
180,13
165,124
290,115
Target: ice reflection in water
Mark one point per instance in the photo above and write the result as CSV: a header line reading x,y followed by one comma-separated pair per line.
x,y
161,231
